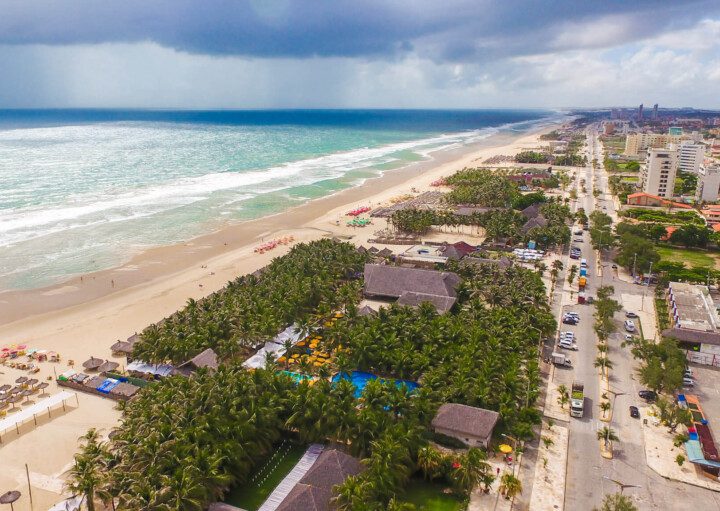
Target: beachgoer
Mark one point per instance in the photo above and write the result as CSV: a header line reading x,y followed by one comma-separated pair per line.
x,y
112,283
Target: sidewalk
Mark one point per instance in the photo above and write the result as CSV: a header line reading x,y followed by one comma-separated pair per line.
x,y
660,453
547,493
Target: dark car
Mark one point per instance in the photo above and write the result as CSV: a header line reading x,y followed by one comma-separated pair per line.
x,y
578,233
647,395
614,266
634,412
631,315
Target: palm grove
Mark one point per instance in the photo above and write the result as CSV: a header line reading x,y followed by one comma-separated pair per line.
x,y
185,441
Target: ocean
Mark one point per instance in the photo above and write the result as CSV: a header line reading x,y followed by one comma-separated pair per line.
x,y
84,190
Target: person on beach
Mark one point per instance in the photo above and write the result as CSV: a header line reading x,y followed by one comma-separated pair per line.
x,y
112,283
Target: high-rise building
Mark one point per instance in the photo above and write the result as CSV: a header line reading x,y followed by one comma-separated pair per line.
x,y
659,170
690,156
654,112
637,143
640,112
708,186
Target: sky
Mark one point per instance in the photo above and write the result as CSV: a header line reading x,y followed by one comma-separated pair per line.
x,y
203,54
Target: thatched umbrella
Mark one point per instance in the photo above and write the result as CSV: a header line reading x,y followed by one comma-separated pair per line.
x,y
109,365
31,381
92,363
9,498
43,386
14,399
5,388
22,379
27,394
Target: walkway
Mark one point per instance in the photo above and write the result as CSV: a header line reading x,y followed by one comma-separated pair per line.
x,y
286,485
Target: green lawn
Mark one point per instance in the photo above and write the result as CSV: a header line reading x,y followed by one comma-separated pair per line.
x,y
251,495
688,256
430,497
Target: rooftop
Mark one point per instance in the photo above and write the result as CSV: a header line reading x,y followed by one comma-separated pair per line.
x,y
692,307
464,419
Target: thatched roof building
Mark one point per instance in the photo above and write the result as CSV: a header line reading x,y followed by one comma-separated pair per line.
x,y
122,347
314,491
108,365
471,425
207,359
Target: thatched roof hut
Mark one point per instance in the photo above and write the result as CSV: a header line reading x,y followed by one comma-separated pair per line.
x,y
108,365
366,311
92,363
206,359
385,252
124,390
122,348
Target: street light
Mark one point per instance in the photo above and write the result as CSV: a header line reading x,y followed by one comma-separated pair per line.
x,y
622,485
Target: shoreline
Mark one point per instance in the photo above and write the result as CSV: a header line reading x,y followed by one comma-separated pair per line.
x,y
166,260
159,282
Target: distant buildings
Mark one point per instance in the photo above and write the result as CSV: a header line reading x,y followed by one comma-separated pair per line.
x,y
659,171
655,112
637,143
708,186
690,156
640,112
675,131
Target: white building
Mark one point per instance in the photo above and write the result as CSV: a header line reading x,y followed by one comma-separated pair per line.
x,y
659,170
637,143
690,156
708,186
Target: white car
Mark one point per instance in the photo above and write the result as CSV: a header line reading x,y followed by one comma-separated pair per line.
x,y
568,345
688,382
630,325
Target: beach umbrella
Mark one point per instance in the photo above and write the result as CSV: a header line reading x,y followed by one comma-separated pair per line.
x,y
5,388
93,363
15,399
9,498
31,381
27,394
505,449
109,365
43,386
22,379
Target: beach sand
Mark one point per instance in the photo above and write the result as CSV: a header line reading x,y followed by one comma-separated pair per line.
x,y
80,318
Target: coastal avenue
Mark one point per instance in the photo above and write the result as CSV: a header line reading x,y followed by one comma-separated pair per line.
x,y
588,474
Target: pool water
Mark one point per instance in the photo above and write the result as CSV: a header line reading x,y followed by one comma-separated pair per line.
x,y
360,379
298,377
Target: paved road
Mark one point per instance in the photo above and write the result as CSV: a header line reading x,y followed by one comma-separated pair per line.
x,y
586,482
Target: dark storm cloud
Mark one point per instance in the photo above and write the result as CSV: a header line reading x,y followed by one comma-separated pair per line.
x,y
442,30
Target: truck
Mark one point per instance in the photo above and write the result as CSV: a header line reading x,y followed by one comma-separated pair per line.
x,y
560,359
582,282
577,399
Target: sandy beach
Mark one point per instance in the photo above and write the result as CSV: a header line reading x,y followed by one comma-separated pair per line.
x,y
80,318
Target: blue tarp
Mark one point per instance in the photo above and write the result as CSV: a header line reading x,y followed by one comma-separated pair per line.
x,y
695,454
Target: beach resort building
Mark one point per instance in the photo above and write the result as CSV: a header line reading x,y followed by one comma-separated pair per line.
x,y
411,286
658,172
708,185
472,426
314,492
695,322
205,360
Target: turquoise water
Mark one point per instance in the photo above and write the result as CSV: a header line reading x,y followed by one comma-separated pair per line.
x,y
82,191
360,380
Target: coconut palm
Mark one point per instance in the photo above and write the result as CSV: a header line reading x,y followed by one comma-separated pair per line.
x,y
607,435
510,486
605,407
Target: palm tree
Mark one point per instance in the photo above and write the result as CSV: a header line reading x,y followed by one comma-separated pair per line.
x,y
605,406
510,486
430,461
564,395
604,364
607,435
617,502
87,474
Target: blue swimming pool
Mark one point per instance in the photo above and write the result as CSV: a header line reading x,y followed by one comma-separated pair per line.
x,y
360,379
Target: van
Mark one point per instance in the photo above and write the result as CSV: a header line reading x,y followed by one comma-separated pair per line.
x,y
583,263
629,325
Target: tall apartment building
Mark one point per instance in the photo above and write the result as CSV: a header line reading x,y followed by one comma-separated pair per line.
x,y
690,156
637,143
655,111
659,170
708,187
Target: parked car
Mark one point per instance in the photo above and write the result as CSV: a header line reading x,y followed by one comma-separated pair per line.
x,y
568,345
578,233
629,325
614,266
570,321
634,412
688,382
578,240
648,395
631,315
629,337
688,373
